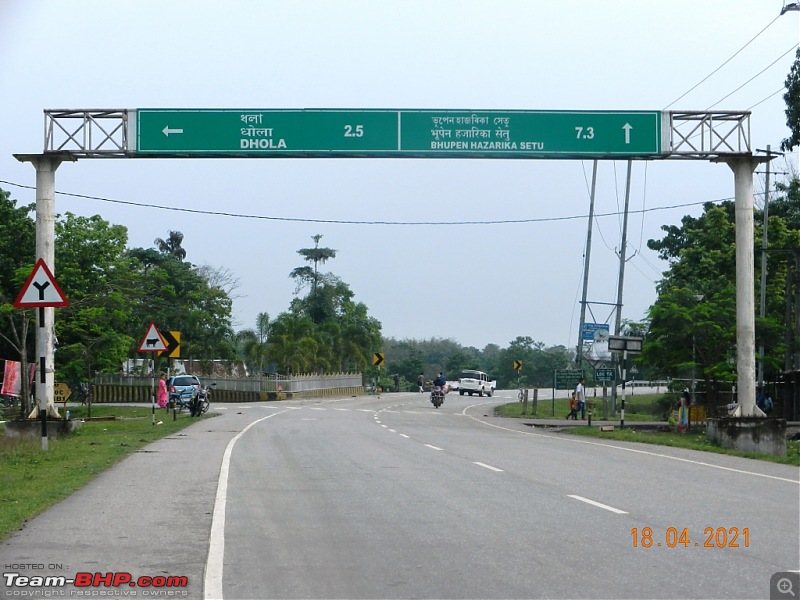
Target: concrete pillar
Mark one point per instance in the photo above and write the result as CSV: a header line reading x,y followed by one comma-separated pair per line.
x,y
45,165
743,167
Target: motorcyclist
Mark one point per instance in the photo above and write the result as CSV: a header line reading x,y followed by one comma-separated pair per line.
x,y
440,380
438,386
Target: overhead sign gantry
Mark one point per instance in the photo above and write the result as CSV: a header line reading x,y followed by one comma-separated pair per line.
x,y
395,133
722,136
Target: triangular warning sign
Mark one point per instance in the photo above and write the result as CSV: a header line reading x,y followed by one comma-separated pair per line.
x,y
152,340
40,289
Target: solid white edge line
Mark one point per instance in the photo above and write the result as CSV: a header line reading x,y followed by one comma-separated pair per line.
x,y
485,466
598,504
212,584
573,440
434,447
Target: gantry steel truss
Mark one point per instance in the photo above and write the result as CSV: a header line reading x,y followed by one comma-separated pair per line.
x,y
111,133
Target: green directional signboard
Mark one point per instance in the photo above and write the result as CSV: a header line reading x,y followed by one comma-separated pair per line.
x,y
567,379
398,133
604,374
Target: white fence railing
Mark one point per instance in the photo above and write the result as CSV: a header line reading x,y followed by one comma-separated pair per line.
x,y
294,383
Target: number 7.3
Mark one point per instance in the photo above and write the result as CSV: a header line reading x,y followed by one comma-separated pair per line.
x,y
584,133
353,131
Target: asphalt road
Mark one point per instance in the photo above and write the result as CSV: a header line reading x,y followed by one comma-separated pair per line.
x,y
390,498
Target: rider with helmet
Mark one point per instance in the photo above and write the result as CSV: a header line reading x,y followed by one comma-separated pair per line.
x,y
440,380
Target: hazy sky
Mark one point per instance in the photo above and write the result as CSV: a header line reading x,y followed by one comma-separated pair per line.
x,y
475,283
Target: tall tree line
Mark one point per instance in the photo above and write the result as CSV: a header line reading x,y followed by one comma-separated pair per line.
x,y
114,293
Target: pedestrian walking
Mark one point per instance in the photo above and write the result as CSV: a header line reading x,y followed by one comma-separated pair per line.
x,y
162,395
421,382
682,424
573,408
580,397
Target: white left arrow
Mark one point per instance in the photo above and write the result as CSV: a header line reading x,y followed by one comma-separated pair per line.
x,y
627,127
167,131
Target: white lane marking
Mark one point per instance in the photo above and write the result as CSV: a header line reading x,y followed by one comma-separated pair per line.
x,y
434,447
212,586
634,450
342,409
317,408
384,426
365,410
485,466
393,430
598,504
241,407
405,436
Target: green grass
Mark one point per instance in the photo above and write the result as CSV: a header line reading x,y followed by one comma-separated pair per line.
x,y
647,407
31,479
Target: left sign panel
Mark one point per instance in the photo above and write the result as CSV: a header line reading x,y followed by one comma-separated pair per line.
x,y
257,132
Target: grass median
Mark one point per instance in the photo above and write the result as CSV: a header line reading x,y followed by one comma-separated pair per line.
x,y
31,479
645,408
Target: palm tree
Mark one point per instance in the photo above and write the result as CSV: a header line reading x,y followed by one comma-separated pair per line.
x,y
172,245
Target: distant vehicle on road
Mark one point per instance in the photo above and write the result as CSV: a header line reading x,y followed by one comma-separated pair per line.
x,y
476,382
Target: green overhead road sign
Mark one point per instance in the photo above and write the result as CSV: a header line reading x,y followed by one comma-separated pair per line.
x,y
397,133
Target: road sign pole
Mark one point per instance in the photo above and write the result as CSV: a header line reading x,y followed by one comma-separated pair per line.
x,y
45,166
624,377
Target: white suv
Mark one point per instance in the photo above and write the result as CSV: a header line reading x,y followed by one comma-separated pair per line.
x,y
476,382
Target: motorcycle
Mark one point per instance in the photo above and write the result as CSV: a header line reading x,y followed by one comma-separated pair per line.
x,y
437,396
184,399
201,402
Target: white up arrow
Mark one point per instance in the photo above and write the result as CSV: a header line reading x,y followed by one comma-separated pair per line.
x,y
166,131
627,127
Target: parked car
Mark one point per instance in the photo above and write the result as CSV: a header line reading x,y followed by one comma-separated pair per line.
x,y
182,385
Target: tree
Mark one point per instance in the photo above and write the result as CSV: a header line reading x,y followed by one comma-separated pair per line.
x,y
692,324
326,329
92,271
182,297
172,245
307,277
792,99
17,253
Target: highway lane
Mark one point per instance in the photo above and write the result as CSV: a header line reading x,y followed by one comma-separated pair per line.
x,y
390,498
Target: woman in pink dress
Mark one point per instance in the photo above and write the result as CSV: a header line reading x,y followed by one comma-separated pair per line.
x,y
162,396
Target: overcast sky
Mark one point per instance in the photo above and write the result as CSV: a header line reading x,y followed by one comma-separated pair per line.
x,y
475,283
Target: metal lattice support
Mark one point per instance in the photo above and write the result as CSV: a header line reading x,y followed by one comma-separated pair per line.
x,y
111,133
708,134
87,133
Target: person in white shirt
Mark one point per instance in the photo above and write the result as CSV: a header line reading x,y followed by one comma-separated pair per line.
x,y
580,396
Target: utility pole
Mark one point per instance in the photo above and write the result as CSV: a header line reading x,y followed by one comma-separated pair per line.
x,y
579,356
622,251
762,311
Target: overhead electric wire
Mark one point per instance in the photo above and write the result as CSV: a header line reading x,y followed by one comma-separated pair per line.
x,y
775,93
350,222
695,86
753,77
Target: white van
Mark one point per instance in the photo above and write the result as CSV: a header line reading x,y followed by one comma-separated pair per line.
x,y
476,382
